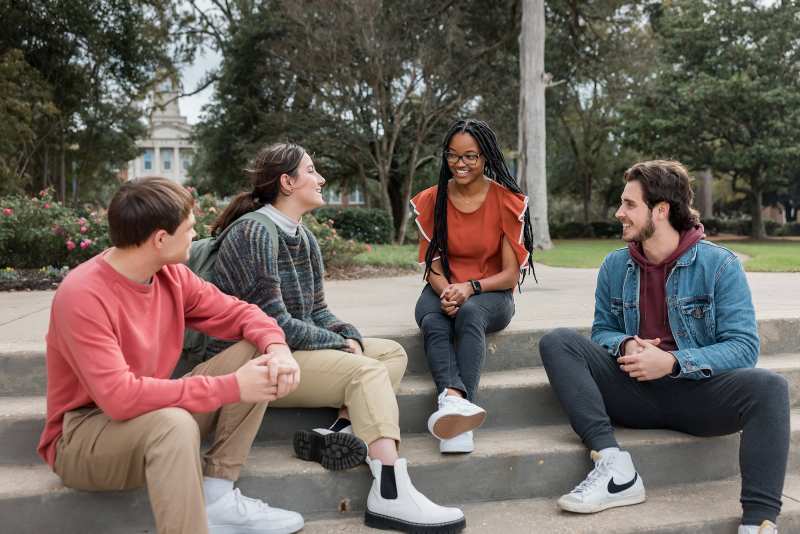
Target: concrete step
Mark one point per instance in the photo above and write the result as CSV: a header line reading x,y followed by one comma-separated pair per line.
x,y
526,390
513,399
527,463
22,372
708,508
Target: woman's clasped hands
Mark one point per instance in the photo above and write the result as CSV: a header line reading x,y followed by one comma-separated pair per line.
x,y
453,297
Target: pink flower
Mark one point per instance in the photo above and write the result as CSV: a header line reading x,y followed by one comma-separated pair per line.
x,y
82,221
369,248
84,229
86,243
46,205
43,192
8,212
70,244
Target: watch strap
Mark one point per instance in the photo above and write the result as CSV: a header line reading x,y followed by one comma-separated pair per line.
x,y
476,286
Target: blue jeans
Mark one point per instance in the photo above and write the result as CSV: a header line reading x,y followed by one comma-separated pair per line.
x,y
455,347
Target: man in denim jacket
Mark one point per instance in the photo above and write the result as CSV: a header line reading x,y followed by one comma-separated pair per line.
x,y
674,343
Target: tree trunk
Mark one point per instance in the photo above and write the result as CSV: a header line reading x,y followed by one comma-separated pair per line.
x,y
757,230
532,118
385,198
46,167
706,204
63,171
587,197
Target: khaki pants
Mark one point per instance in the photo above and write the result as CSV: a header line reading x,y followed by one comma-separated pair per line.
x,y
161,449
365,384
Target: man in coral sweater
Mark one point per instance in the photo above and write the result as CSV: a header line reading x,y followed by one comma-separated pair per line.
x,y
115,417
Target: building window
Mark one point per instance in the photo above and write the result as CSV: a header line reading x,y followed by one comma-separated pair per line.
x,y
333,196
166,159
147,158
356,196
186,159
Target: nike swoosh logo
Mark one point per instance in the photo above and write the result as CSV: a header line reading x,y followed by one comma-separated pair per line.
x,y
614,488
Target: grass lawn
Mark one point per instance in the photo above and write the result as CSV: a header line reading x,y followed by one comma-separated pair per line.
x,y
763,256
399,256
581,253
768,256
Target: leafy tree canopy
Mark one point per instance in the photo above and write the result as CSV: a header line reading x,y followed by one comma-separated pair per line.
x,y
725,93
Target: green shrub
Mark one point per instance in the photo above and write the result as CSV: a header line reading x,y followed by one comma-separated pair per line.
x,y
739,226
791,229
571,230
711,226
38,232
773,228
606,229
206,210
336,250
368,225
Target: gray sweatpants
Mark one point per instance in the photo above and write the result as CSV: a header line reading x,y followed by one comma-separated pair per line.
x,y
595,392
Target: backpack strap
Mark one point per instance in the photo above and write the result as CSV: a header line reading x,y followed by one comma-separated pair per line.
x,y
264,220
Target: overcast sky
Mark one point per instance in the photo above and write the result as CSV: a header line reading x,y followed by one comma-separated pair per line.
x,y
191,76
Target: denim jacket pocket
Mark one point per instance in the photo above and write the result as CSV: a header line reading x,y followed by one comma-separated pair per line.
x,y
697,314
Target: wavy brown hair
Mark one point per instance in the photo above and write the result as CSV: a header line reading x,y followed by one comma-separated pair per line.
x,y
265,173
667,181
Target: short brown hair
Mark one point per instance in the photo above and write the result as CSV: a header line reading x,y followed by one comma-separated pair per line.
x,y
143,205
667,181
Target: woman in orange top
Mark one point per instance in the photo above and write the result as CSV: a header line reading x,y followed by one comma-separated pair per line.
x,y
476,242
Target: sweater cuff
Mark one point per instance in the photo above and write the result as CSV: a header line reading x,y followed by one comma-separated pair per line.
x,y
357,339
229,389
270,339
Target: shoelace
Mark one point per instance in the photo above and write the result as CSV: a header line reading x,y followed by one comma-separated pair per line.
x,y
245,504
598,473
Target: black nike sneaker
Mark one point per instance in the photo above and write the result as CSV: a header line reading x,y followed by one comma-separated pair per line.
x,y
613,482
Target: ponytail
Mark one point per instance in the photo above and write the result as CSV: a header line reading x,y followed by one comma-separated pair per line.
x,y
265,173
241,204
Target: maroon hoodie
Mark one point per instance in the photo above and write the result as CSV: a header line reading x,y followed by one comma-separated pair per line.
x,y
653,315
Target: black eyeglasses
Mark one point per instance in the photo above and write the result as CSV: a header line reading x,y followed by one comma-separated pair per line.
x,y
469,159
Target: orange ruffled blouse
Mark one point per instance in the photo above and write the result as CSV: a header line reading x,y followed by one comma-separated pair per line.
x,y
474,240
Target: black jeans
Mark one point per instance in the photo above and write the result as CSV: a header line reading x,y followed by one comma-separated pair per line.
x,y
456,347
595,392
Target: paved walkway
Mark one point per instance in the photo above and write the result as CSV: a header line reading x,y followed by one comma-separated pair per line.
x,y
380,306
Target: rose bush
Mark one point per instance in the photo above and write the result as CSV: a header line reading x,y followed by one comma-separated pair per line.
x,y
40,232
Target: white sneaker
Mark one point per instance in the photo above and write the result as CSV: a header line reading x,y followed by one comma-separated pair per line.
x,y
613,482
400,506
460,444
234,513
454,416
767,527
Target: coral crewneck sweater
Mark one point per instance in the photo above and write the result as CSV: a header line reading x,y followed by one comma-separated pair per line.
x,y
114,343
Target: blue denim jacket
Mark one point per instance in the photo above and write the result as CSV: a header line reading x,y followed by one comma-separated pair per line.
x,y
710,311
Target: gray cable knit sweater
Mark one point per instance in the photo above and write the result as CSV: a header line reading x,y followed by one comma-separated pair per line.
x,y
287,287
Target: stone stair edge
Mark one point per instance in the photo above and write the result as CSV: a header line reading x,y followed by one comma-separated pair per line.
x,y
411,336
277,459
535,376
667,510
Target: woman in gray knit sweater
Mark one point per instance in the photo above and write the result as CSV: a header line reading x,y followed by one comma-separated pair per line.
x,y
338,367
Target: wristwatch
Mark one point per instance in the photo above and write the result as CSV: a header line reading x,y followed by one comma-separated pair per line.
x,y
476,286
